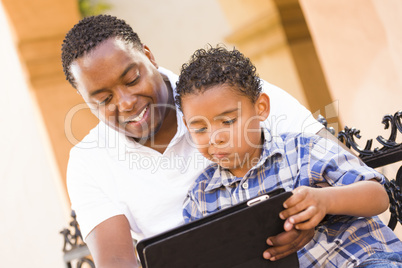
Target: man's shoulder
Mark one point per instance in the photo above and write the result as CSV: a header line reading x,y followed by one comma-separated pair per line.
x,y
100,138
90,140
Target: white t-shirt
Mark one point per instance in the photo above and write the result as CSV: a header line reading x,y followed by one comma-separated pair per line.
x,y
109,174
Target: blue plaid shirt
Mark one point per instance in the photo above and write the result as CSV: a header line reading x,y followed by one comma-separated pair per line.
x,y
290,161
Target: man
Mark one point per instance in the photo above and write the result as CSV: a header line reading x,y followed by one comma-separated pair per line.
x,y
133,170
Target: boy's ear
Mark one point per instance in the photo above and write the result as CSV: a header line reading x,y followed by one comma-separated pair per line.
x,y
263,106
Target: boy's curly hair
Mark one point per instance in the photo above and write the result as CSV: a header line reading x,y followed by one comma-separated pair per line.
x,y
89,33
216,66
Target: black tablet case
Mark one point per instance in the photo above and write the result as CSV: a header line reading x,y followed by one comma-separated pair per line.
x,y
233,237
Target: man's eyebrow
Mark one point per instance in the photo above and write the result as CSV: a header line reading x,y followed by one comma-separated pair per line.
x,y
128,68
96,92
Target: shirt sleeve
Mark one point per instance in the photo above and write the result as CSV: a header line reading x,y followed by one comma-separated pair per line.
x,y
88,198
328,162
287,114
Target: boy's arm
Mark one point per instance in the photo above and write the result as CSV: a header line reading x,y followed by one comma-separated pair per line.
x,y
308,206
355,191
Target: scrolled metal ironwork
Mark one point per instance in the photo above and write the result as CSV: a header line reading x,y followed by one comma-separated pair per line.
x,y
394,191
389,153
391,150
323,121
347,136
74,247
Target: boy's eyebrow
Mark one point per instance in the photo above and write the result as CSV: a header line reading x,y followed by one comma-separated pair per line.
x,y
199,121
225,113
128,68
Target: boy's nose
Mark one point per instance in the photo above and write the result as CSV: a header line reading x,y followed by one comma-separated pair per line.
x,y
219,137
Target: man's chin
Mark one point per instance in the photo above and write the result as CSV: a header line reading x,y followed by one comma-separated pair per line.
x,y
143,137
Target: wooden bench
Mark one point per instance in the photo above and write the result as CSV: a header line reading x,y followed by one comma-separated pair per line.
x,y
76,252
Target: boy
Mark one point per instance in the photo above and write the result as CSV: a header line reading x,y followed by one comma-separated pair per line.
x,y
220,96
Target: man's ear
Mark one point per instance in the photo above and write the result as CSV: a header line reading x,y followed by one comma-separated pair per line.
x,y
149,55
263,106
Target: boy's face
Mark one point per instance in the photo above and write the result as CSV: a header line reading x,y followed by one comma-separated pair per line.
x,y
122,87
225,126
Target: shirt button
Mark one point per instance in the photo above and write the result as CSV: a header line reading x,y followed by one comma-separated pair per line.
x,y
245,185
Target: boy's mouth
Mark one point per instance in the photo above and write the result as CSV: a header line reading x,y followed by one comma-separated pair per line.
x,y
220,155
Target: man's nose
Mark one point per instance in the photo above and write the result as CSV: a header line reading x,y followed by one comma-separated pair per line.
x,y
126,100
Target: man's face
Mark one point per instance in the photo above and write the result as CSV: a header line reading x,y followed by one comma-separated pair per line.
x,y
122,87
225,126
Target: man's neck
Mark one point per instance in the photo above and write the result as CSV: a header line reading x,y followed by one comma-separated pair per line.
x,y
168,129
161,140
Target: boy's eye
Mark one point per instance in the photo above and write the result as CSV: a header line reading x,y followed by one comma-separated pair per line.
x,y
135,81
200,130
229,122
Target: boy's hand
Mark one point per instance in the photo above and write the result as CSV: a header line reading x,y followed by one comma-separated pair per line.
x,y
286,243
305,208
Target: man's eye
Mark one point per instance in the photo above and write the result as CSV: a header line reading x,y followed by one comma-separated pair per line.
x,y
229,122
135,81
106,100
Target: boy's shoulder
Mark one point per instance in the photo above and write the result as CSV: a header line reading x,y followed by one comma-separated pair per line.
x,y
205,177
291,139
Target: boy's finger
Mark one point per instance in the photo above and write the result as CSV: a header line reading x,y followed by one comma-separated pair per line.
x,y
312,223
303,215
293,200
297,208
287,226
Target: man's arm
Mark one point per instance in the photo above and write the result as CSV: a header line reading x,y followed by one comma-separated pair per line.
x,y
111,244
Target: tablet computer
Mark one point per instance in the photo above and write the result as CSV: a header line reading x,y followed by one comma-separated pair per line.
x,y
232,237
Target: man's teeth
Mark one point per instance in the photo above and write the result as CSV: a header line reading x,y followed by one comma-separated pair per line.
x,y
139,117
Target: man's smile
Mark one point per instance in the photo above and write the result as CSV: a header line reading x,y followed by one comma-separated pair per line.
x,y
137,118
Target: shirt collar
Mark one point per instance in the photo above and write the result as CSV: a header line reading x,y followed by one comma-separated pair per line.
x,y
273,148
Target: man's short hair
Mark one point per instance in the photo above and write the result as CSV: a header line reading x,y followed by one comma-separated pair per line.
x,y
90,32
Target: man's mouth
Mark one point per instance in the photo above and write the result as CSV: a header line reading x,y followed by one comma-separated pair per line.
x,y
138,117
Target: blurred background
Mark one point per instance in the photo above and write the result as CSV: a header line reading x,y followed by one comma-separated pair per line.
x,y
341,59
